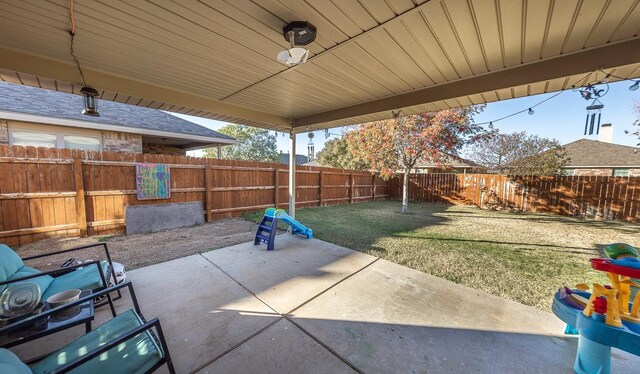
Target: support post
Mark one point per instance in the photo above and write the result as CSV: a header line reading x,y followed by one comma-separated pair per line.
x,y
208,203
81,210
292,172
219,149
276,187
321,184
351,188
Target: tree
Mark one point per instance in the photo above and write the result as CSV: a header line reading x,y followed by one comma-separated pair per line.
x,y
397,144
336,153
253,145
519,153
636,111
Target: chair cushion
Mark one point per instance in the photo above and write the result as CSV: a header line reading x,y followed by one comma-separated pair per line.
x,y
86,278
43,281
10,262
136,355
11,364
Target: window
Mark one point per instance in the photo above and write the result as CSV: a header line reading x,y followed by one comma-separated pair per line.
x,y
82,142
34,139
569,172
620,172
52,138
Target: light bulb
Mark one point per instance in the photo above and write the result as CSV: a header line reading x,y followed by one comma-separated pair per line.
x,y
531,111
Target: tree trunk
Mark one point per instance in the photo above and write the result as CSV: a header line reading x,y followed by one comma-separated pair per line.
x,y
405,192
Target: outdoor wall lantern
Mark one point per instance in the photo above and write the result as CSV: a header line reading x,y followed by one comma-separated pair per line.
x,y
90,103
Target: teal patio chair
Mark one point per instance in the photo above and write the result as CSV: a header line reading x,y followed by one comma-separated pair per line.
x,y
124,344
87,276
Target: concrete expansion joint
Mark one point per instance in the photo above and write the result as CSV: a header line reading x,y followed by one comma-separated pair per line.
x,y
286,316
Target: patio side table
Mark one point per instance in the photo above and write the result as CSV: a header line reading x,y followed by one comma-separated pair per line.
x,y
11,337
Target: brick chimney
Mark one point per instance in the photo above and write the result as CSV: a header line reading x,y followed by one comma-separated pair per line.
x,y
606,133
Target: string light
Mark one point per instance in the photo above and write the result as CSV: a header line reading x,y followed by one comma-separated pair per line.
x,y
574,87
633,87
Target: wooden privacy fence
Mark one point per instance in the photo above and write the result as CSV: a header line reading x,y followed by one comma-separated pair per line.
x,y
610,198
63,192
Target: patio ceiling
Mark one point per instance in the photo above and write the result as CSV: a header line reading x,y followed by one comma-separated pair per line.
x,y
216,59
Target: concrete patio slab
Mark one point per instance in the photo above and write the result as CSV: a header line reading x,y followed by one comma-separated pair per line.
x,y
203,312
281,348
388,318
343,310
296,271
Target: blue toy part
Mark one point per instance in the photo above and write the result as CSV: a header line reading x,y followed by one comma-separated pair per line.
x,y
269,224
592,357
297,228
596,338
267,230
630,262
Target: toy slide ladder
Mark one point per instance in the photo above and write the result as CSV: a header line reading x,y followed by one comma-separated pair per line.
x,y
267,231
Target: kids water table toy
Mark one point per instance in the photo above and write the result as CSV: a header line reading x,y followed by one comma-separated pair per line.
x,y
609,315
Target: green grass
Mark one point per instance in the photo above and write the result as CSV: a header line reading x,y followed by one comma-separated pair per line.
x,y
523,257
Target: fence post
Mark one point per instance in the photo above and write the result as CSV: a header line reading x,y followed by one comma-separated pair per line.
x,y
208,203
351,188
321,188
81,210
276,186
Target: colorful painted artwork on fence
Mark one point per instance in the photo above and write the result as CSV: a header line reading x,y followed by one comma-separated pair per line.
x,y
152,181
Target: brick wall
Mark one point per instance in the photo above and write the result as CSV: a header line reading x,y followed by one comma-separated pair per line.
x,y
598,172
4,131
121,142
162,149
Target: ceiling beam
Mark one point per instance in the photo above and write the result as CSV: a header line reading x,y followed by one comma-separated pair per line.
x,y
588,60
67,72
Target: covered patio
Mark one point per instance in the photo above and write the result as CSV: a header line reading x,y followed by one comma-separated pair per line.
x,y
311,306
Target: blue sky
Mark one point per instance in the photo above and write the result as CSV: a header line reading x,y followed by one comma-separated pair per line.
x,y
560,118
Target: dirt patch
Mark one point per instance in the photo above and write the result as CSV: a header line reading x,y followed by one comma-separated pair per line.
x,y
140,250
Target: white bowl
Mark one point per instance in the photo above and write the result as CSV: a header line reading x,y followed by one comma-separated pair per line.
x,y
63,297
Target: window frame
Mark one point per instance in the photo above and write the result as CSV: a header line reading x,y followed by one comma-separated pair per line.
x,y
613,172
60,143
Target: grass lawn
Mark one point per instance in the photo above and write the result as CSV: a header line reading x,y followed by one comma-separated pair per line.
x,y
523,257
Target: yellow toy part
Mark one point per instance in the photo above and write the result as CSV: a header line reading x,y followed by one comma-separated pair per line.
x,y
612,315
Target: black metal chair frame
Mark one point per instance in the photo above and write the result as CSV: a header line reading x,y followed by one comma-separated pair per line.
x,y
147,325
54,272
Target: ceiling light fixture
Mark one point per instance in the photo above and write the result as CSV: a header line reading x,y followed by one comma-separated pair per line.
x,y
89,94
90,103
297,33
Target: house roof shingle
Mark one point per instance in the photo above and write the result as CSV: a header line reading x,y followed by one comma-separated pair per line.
x,y
40,102
300,159
586,152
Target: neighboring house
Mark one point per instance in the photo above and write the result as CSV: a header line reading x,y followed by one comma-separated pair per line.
x,y
312,163
452,164
300,159
593,157
36,117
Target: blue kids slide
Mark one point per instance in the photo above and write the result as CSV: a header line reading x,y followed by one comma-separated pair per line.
x,y
268,225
